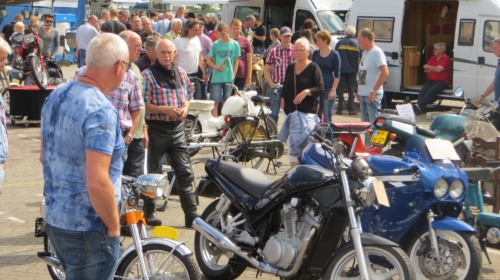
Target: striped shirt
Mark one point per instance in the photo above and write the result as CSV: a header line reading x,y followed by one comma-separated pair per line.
x,y
126,98
279,58
157,95
84,34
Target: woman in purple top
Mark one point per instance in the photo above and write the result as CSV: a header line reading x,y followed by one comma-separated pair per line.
x,y
328,61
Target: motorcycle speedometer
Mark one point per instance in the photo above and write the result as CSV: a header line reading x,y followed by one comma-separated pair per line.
x,y
456,189
29,38
440,188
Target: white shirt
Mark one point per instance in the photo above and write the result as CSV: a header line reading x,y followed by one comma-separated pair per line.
x,y
188,53
84,34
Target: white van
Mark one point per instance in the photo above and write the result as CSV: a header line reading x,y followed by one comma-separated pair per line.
x,y
328,14
405,29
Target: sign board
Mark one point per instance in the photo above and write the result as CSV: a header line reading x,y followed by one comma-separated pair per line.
x,y
441,149
406,111
59,3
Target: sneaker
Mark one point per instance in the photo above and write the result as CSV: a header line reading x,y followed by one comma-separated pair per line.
x,y
353,112
339,113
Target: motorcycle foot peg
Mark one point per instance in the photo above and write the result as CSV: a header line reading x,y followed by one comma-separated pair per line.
x,y
44,254
39,227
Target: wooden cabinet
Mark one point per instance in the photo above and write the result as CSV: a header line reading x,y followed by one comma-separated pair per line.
x,y
411,61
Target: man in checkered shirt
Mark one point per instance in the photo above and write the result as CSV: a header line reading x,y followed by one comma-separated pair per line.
x,y
127,97
84,34
277,61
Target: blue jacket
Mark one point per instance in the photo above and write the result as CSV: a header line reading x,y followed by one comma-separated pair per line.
x,y
298,126
348,49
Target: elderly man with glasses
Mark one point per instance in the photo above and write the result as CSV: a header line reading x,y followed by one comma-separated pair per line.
x,y
127,97
438,70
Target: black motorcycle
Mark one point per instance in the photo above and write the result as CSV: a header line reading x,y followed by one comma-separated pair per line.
x,y
305,225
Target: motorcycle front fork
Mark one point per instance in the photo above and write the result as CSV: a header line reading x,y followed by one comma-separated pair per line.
x,y
432,234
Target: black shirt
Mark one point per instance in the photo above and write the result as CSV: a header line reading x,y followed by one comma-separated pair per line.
x,y
298,34
113,26
141,34
128,25
260,31
310,78
8,30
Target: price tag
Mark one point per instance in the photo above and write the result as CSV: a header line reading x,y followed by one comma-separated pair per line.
x,y
441,149
406,111
380,192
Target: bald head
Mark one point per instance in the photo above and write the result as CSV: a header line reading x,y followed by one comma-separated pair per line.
x,y
93,20
134,43
165,53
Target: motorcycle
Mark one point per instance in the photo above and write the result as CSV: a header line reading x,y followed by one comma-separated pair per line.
x,y
28,60
350,134
201,125
159,257
293,227
426,196
257,72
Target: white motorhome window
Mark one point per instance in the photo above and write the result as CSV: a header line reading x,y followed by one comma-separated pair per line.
x,y
491,31
241,12
466,32
331,22
382,27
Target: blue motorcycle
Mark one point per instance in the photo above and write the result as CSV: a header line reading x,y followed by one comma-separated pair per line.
x,y
426,197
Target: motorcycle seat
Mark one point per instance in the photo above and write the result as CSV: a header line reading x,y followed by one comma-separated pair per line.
x,y
201,104
216,122
349,128
252,181
259,99
488,218
425,132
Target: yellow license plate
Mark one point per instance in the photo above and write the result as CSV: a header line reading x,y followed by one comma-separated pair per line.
x,y
166,232
379,137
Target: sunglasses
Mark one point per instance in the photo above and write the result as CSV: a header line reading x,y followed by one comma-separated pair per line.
x,y
128,64
49,21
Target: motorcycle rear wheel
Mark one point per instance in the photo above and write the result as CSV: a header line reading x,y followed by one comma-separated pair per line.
x,y
241,135
37,74
469,268
343,266
175,266
56,274
212,261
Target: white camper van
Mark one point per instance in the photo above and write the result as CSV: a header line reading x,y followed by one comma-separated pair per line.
x,y
407,30
328,14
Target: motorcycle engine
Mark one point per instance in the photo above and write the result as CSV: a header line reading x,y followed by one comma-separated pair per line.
x,y
282,248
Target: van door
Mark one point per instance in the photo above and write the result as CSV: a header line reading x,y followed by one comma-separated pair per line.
x,y
277,14
487,62
386,21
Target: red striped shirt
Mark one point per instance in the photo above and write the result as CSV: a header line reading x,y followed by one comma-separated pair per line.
x,y
279,58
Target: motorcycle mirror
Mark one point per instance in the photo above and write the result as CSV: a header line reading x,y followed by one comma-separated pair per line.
x,y
459,92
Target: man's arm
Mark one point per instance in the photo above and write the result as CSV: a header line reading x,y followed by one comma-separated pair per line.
x,y
260,38
101,190
160,109
202,67
136,118
489,89
249,67
437,69
384,73
267,75
235,67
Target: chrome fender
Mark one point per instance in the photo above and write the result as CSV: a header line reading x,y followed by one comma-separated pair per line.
x,y
182,249
448,223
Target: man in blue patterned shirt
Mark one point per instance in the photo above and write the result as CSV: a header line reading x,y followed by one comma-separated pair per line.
x,y
81,156
167,92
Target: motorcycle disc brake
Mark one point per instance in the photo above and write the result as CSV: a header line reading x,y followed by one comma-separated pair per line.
x,y
450,257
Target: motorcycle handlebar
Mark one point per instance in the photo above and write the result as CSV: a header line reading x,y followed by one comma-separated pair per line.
x,y
479,174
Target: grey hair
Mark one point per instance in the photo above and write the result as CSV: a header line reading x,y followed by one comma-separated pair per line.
x,y
4,46
143,18
176,21
304,42
249,18
105,50
167,41
350,30
442,46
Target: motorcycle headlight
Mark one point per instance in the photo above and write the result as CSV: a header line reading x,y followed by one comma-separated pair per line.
x,y
29,38
153,185
367,194
456,189
440,188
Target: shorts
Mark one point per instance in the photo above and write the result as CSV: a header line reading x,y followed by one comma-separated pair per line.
x,y
219,92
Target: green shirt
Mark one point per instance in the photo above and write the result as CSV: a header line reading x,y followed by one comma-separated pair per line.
x,y
225,53
138,132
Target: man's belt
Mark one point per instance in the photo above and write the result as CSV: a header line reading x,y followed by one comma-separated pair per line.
x,y
193,75
164,123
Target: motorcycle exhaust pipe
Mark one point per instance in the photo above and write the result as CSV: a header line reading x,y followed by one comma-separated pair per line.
x,y
221,241
46,257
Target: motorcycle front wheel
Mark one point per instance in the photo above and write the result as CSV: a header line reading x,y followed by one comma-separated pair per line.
x,y
37,74
385,263
55,273
160,263
460,255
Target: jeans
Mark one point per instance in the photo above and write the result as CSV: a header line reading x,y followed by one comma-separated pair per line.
x,y
219,92
369,111
203,85
347,80
82,54
134,166
258,50
125,153
275,99
326,106
197,89
85,254
428,93
240,83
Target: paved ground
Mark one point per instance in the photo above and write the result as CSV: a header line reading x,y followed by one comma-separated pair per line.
x,y
22,193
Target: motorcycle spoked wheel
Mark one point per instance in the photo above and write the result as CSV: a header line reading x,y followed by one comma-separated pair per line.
x,y
212,261
272,128
37,74
166,265
56,274
397,264
239,136
255,82
461,250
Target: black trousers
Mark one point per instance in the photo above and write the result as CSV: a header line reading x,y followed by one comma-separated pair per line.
x,y
134,166
428,93
169,137
347,80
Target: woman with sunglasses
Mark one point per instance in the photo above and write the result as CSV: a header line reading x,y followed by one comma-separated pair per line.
x,y
49,36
